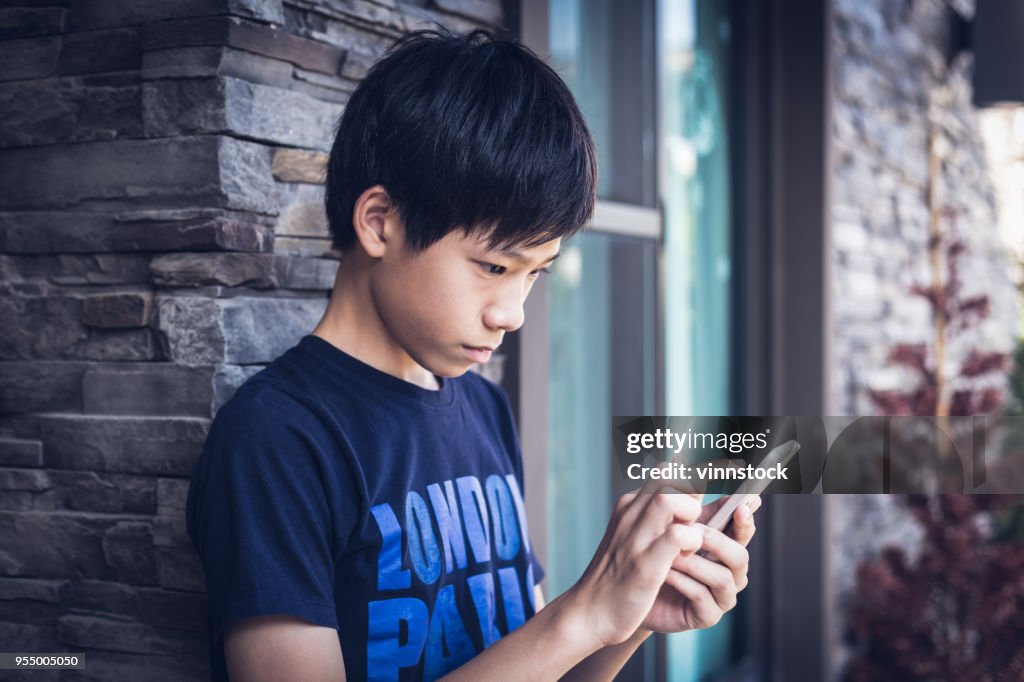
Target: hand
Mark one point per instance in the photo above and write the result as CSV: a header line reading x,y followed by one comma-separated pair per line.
x,y
699,591
647,532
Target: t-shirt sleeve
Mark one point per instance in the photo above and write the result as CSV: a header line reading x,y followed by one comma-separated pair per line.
x,y
260,516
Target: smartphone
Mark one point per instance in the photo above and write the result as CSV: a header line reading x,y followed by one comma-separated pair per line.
x,y
751,487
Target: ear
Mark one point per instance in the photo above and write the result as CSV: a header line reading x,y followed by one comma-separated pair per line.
x,y
376,222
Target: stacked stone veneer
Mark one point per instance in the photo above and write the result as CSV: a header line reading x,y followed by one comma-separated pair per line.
x,y
891,84
161,239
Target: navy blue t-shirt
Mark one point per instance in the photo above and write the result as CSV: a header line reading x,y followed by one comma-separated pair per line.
x,y
334,492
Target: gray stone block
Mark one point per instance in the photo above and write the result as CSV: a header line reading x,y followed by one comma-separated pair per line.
x,y
170,531
17,500
91,15
54,232
248,36
48,327
60,110
117,311
97,51
333,88
23,22
180,569
210,171
43,327
128,550
485,11
100,597
215,269
59,176
45,591
192,330
301,211
246,182
109,666
167,608
40,387
63,545
228,379
167,446
181,62
15,452
314,274
30,480
74,269
106,633
26,637
30,612
106,493
201,331
259,330
184,107
254,68
29,58
280,116
157,389
299,165
305,246
171,496
204,230
255,112
258,271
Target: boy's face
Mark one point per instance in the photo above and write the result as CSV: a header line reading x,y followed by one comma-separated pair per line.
x,y
449,306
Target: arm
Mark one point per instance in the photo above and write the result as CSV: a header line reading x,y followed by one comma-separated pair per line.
x,y
708,586
605,608
605,663
278,648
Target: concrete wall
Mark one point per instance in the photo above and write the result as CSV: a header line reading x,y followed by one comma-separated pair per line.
x,y
161,239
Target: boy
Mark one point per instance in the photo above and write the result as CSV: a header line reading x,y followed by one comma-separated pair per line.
x,y
358,505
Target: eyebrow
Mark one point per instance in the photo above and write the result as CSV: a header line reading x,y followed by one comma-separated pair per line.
x,y
518,256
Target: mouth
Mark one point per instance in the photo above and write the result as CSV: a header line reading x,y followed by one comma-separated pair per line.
x,y
479,354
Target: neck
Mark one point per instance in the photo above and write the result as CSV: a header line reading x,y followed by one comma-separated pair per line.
x,y
351,324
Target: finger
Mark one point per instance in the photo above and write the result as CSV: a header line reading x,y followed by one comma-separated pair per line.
x,y
631,505
705,609
730,553
678,538
661,511
742,527
719,580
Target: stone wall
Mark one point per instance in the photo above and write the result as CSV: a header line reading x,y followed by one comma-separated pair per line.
x,y
892,85
161,239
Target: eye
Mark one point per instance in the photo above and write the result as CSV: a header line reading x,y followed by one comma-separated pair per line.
x,y
537,273
493,269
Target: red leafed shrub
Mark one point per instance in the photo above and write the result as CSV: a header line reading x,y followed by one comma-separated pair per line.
x,y
956,613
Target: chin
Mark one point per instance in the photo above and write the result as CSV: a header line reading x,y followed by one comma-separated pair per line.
x,y
452,372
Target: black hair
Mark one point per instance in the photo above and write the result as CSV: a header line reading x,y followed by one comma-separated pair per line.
x,y
470,132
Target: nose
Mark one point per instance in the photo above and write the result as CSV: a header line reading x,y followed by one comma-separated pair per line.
x,y
506,312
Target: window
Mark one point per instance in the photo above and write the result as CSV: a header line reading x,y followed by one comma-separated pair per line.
x,y
636,315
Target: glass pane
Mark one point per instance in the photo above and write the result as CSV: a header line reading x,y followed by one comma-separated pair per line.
x,y
604,51
695,44
600,286
694,38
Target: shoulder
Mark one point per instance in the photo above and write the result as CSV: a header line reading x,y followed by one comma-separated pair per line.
x,y
269,424
263,405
